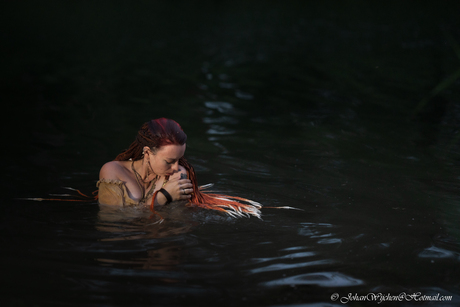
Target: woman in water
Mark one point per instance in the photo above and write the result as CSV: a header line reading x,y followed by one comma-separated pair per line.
x,y
153,172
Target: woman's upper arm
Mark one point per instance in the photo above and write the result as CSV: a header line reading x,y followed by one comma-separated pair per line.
x,y
110,190
109,171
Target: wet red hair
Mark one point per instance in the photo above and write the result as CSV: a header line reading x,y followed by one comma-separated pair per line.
x,y
154,134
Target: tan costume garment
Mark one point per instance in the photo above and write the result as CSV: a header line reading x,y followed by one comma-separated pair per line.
x,y
114,192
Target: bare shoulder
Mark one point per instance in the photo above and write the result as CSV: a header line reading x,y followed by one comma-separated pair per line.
x,y
112,170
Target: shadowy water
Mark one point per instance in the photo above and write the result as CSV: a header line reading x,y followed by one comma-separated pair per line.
x,y
329,107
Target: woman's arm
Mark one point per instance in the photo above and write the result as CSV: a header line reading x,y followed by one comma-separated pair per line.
x,y
111,189
177,187
110,171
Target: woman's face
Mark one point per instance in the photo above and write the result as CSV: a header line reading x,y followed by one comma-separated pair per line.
x,y
165,161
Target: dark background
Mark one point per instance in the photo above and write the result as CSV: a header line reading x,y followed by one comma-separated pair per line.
x,y
76,73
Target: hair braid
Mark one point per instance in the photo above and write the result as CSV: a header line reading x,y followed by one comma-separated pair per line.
x,y
154,134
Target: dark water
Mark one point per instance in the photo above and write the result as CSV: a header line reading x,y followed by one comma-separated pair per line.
x,y
346,110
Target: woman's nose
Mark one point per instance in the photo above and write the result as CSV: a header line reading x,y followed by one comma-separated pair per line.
x,y
175,167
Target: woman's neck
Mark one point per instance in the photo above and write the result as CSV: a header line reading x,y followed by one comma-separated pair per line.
x,y
142,169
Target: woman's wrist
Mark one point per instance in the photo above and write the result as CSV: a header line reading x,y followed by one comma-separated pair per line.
x,y
166,195
161,199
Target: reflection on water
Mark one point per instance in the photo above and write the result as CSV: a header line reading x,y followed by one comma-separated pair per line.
x,y
168,221
322,279
138,223
222,107
290,266
437,253
216,122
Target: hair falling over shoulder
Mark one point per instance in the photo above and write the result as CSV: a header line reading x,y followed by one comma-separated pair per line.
x,y
230,205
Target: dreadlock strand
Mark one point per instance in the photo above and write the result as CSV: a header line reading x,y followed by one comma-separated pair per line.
x,y
228,204
134,151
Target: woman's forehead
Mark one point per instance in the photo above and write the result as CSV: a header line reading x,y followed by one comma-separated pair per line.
x,y
174,152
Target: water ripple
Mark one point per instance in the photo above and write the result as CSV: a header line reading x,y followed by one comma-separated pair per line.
x,y
289,256
439,253
220,120
219,130
288,266
322,279
222,107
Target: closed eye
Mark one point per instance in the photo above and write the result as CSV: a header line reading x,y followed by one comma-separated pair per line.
x,y
170,162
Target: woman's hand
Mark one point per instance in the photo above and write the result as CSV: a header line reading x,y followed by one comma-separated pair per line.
x,y
179,189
